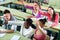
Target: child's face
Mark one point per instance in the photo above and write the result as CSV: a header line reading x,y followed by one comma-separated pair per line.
x,y
26,24
36,6
7,16
50,11
41,24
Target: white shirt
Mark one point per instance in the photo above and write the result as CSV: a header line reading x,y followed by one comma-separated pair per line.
x,y
35,13
14,27
26,32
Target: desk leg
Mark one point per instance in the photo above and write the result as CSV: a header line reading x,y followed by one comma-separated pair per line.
x,y
58,37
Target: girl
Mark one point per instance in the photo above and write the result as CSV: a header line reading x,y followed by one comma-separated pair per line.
x,y
40,33
52,16
35,10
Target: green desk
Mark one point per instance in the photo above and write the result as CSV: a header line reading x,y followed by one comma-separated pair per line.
x,y
55,29
58,28
5,2
42,7
8,36
15,12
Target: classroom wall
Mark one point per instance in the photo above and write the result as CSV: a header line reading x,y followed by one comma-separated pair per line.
x,y
55,3
11,0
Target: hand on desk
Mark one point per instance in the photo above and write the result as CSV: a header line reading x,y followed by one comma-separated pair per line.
x,y
6,22
47,27
1,17
1,31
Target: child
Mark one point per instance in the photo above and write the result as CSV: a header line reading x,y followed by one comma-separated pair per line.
x,y
35,10
26,28
8,17
53,17
40,33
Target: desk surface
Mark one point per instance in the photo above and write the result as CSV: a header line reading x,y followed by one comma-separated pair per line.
x,y
15,12
57,27
43,7
8,36
7,1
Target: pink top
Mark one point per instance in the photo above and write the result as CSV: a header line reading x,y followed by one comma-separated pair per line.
x,y
31,7
40,36
56,21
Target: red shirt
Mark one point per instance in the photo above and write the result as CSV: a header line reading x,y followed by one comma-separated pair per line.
x,y
55,22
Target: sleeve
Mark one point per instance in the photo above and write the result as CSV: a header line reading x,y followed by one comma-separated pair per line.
x,y
29,7
16,23
56,20
14,27
43,13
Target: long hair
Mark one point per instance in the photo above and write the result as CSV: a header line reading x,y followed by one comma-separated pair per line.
x,y
53,16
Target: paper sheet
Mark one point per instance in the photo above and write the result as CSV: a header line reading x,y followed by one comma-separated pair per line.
x,y
15,37
2,34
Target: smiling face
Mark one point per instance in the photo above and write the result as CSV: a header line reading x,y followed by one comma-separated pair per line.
x,y
36,6
7,16
26,24
50,11
41,24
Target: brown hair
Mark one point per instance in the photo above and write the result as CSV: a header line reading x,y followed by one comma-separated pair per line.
x,y
53,18
38,4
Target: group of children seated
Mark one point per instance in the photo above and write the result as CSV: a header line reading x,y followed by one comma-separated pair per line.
x,y
28,29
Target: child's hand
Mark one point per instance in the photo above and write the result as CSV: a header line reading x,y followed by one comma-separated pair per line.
x,y
0,31
6,21
37,22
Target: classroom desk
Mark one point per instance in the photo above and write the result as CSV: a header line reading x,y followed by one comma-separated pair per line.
x,y
42,7
19,13
58,28
18,2
8,36
31,4
15,12
55,29
6,2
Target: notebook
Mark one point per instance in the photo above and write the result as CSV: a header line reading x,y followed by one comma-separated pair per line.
x,y
15,37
